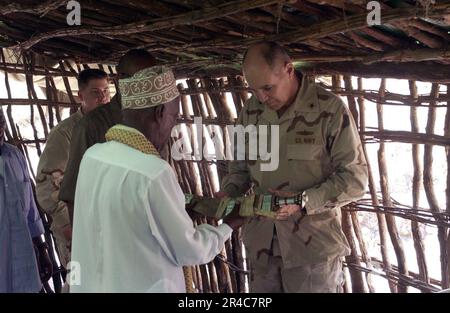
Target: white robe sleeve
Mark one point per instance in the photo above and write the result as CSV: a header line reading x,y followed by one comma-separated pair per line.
x,y
173,228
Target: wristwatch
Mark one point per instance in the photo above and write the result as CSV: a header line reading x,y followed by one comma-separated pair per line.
x,y
299,199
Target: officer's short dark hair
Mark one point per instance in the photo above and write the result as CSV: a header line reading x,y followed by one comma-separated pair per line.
x,y
85,76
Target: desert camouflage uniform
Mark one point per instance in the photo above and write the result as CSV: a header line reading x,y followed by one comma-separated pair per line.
x,y
51,167
320,153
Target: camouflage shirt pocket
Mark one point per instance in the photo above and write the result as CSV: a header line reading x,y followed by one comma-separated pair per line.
x,y
305,165
305,152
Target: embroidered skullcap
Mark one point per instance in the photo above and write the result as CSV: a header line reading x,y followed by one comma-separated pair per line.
x,y
147,88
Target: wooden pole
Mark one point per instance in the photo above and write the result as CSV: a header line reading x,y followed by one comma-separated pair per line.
x,y
68,89
358,285
447,190
429,190
13,135
384,184
373,194
357,227
416,186
30,96
356,277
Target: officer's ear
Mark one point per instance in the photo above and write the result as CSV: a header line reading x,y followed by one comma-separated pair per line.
x,y
290,69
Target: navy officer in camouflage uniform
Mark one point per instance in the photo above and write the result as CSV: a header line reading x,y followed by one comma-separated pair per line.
x,y
320,157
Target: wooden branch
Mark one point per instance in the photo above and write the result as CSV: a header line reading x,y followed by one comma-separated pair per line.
x,y
239,259
195,99
218,100
29,65
213,277
38,70
384,185
49,95
231,277
13,134
430,72
55,96
416,186
38,101
206,282
428,157
430,28
209,105
335,26
381,219
351,99
237,100
366,43
408,137
341,4
356,277
317,31
404,55
385,37
429,190
447,190
422,215
395,276
362,248
39,9
408,55
426,38
68,89
151,25
393,98
412,274
23,148
30,96
361,122
448,249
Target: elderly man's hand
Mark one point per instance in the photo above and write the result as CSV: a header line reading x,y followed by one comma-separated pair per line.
x,y
45,264
193,215
220,194
234,220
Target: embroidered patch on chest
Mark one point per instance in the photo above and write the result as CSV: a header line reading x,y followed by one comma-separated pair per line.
x,y
305,140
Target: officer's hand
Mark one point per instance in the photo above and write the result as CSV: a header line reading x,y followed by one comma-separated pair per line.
x,y
221,194
234,220
287,210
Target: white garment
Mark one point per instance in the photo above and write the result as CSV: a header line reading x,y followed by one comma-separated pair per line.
x,y
131,232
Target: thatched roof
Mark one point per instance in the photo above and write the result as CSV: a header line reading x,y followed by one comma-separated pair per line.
x,y
198,36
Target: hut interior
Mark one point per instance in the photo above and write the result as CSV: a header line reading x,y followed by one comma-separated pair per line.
x,y
388,60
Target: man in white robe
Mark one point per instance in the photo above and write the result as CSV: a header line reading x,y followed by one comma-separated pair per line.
x,y
131,232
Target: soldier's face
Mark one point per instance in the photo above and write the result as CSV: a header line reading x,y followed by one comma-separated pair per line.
x,y
96,93
272,86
